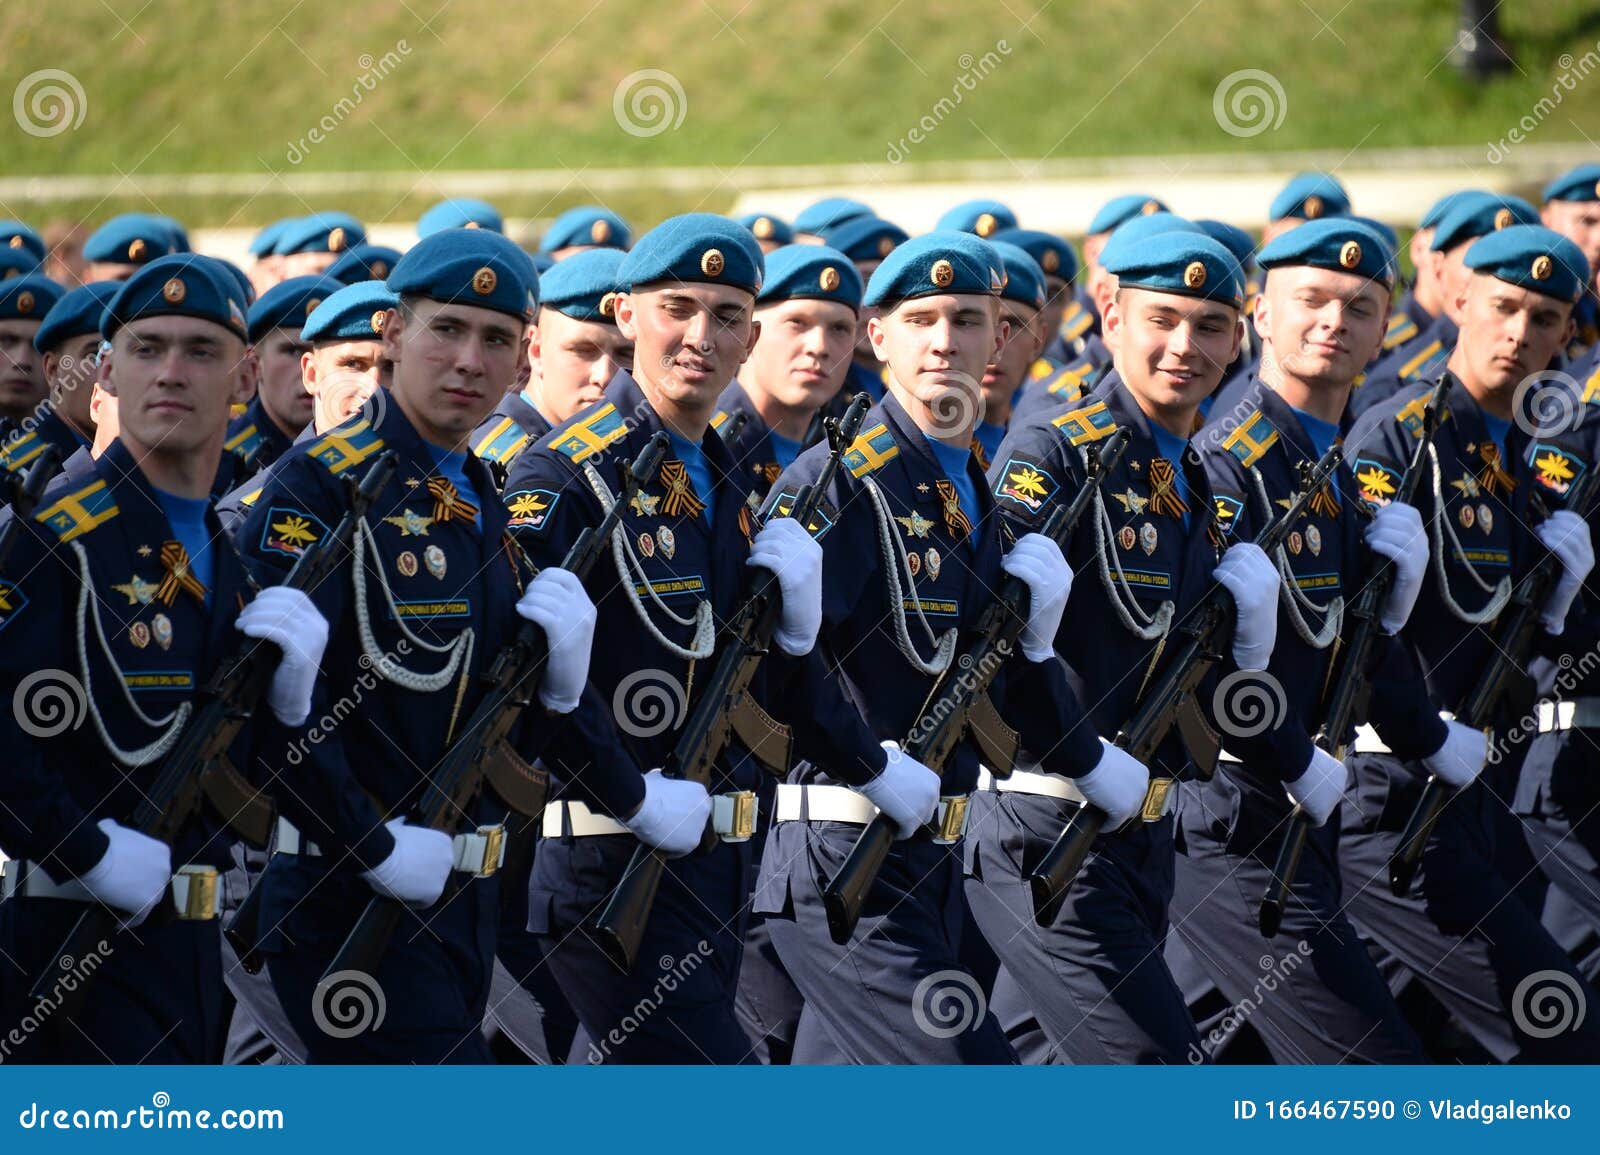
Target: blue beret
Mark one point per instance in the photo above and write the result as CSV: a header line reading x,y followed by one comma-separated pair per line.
x,y
933,264
28,298
981,217
289,303
865,238
321,233
1021,278
16,263
1435,214
460,213
1478,214
1137,230
1387,232
1053,254
470,267
182,285
1580,184
16,235
1532,257
1342,244
352,313
584,286
180,237
1238,242
1119,210
75,314
1185,263
364,263
586,225
265,242
542,262
131,239
696,247
816,272
767,227
829,213
1308,196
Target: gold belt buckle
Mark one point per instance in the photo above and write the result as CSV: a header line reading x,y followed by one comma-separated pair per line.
x,y
1155,799
200,897
494,846
953,818
743,822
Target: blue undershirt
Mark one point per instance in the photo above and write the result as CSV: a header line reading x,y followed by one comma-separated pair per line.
x,y
187,517
698,469
1322,433
1497,432
953,460
990,437
1172,448
453,468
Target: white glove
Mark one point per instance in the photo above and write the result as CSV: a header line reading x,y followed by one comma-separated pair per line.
x,y
132,875
907,792
556,601
1320,785
793,555
291,621
1117,784
417,868
673,816
1252,579
1038,561
1396,533
1461,758
1566,535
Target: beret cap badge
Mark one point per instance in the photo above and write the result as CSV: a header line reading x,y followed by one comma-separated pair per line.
x,y
174,291
711,263
136,250
762,228
1051,261
484,281
1542,267
336,239
942,273
1502,218
986,224
1313,207
377,320
829,279
24,302
608,304
600,231
1350,254
1194,275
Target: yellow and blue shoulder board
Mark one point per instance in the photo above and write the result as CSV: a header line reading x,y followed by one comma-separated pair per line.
x,y
1041,369
250,498
1076,320
1419,363
601,429
345,448
1591,389
719,419
79,512
21,451
245,442
1090,423
1411,415
503,442
870,451
1251,440
1070,383
1401,329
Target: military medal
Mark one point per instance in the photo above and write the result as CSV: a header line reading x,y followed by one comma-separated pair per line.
x,y
433,557
916,525
161,627
647,545
1131,501
1313,540
934,562
143,551
1126,537
138,591
1148,537
668,541
913,563
644,505
406,563
410,524
139,635
1295,543
1466,517
1485,518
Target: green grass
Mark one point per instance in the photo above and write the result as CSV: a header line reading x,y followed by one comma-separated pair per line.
x,y
491,85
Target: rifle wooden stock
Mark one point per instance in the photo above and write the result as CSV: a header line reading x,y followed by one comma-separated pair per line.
x,y
620,927
1350,690
453,787
226,703
1170,702
961,693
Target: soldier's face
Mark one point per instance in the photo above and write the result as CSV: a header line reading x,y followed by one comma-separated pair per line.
x,y
937,349
22,384
1024,341
452,365
864,352
175,380
573,360
1055,306
70,369
306,264
1170,350
337,378
803,353
1323,326
1452,275
282,389
1507,332
1580,222
688,340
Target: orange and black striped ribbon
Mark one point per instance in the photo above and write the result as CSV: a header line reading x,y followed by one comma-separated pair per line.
x,y
179,578
1324,502
1164,499
1494,479
448,504
956,521
680,499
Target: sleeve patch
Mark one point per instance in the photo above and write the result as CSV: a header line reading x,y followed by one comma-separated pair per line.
x,y
289,531
1229,507
12,601
1025,484
1377,481
531,508
1555,468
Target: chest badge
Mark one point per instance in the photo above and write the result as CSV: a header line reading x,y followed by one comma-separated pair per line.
x,y
161,629
916,525
138,591
410,524
1131,502
406,563
433,557
668,541
1313,540
1149,537
934,563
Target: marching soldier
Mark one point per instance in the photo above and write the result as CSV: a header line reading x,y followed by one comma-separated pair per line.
x,y
867,241
24,301
1461,930
770,232
1572,208
1059,264
584,227
69,342
815,220
460,213
1095,978
1308,196
1022,299
431,590
126,589
309,245
124,244
1079,325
